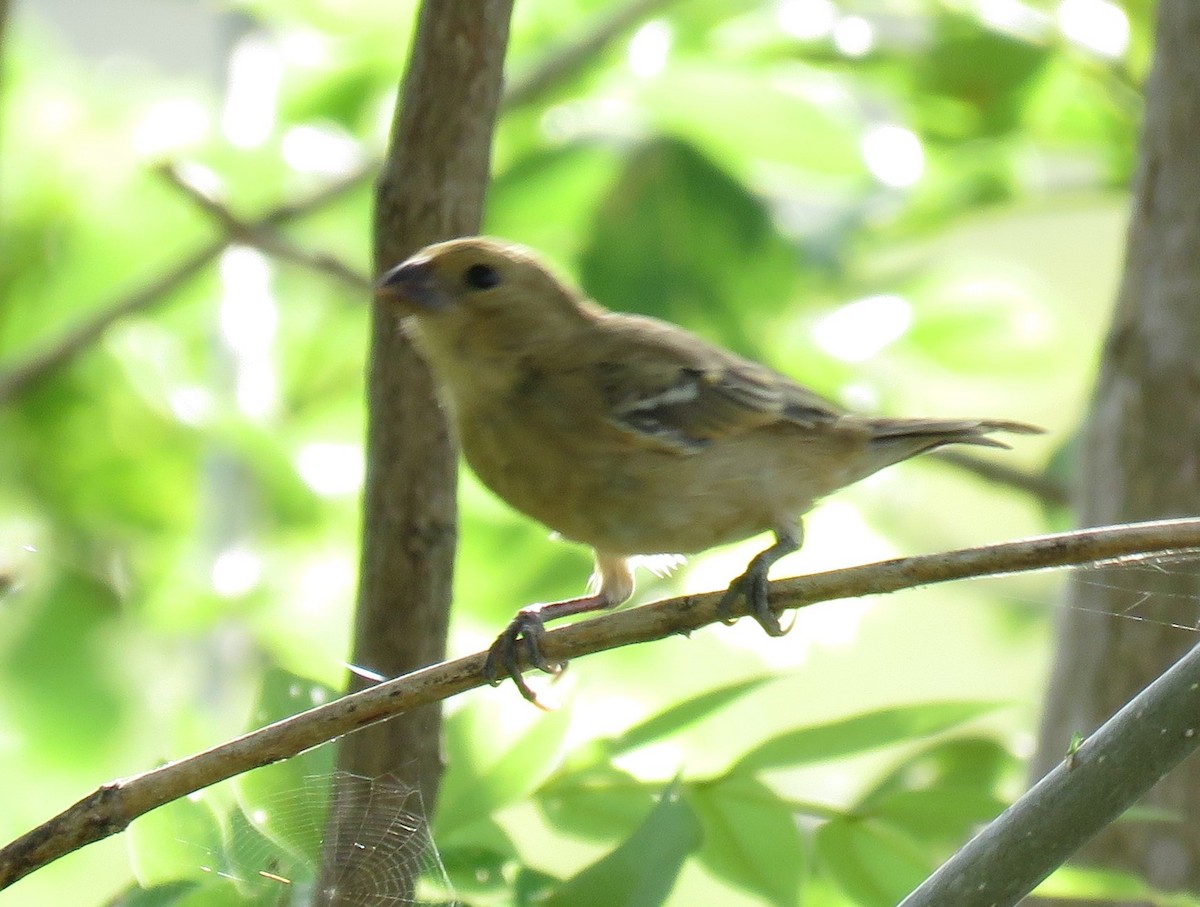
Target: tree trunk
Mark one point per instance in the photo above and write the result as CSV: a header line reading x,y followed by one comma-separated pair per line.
x,y
432,187
1140,459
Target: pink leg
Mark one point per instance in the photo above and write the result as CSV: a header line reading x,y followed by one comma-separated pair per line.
x,y
613,581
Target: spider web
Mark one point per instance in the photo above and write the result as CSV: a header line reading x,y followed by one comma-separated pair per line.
x,y
379,843
1160,589
262,839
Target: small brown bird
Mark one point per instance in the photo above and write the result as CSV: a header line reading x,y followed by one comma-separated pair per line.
x,y
630,434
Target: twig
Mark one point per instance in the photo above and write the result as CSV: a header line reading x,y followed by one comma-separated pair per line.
x,y
19,378
112,807
567,61
260,235
558,65
1042,487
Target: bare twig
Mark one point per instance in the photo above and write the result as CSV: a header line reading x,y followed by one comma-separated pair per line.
x,y
1040,486
262,236
112,807
562,64
19,378
558,66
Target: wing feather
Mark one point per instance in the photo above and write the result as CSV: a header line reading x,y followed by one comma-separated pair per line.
x,y
672,390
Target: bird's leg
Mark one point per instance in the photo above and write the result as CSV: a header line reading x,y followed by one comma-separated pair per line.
x,y
753,583
612,583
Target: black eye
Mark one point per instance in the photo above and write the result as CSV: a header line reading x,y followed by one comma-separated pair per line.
x,y
481,277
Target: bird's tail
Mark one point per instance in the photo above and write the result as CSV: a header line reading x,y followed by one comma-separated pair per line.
x,y
894,440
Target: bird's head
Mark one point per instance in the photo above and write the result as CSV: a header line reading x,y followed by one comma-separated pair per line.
x,y
478,300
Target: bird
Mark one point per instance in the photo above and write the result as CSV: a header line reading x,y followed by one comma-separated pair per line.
x,y
626,433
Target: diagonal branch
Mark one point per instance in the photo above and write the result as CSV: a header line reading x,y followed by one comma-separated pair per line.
x,y
1088,790
23,376
260,235
1045,489
559,66
567,61
112,807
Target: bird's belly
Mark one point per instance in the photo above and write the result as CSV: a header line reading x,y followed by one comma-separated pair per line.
x,y
638,501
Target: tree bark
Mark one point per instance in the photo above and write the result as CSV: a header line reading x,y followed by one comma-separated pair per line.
x,y
432,187
1140,459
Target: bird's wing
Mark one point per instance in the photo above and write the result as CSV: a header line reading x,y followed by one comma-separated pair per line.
x,y
672,390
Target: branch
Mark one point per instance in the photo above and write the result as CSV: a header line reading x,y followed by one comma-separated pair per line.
x,y
260,235
19,378
432,185
1083,794
567,61
1045,489
557,67
112,807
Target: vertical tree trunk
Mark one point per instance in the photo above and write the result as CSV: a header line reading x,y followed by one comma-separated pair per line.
x,y
1140,459
432,187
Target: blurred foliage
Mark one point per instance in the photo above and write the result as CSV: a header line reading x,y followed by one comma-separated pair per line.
x,y
914,206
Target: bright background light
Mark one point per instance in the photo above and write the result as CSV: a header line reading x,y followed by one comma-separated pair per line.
x,y
894,155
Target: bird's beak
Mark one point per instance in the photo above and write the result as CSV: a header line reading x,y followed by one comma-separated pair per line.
x,y
414,285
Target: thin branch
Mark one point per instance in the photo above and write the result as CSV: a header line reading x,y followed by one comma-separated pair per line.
x,y
19,378
260,235
1089,789
112,807
569,60
558,66
1045,489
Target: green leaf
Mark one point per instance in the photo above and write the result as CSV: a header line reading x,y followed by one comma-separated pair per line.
x,y
600,804
750,837
532,887
476,872
491,764
547,198
944,792
179,841
261,866
683,715
987,72
872,863
945,815
640,871
785,116
978,762
167,895
1075,883
57,677
219,892
980,327
680,239
287,802
860,733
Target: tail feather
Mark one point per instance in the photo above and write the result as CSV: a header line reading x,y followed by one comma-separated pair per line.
x,y
899,439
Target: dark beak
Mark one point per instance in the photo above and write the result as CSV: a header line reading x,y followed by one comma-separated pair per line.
x,y
414,285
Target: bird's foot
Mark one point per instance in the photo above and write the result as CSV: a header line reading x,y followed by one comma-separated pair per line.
x,y
524,634
753,586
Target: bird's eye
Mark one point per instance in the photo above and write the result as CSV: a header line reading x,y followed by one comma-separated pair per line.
x,y
481,277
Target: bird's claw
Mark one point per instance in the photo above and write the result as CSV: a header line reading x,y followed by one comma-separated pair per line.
x,y
524,634
753,586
